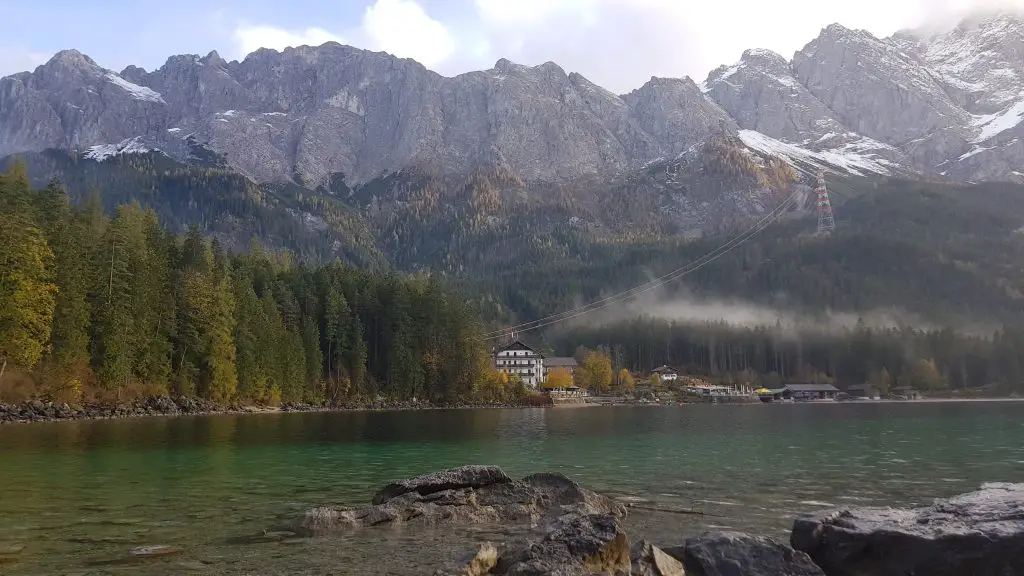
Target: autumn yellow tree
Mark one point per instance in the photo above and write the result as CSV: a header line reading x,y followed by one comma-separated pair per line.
x,y
626,380
27,292
655,380
597,371
558,380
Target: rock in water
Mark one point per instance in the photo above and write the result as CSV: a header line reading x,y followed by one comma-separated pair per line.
x,y
738,554
482,494
977,533
649,560
479,564
451,479
576,544
156,550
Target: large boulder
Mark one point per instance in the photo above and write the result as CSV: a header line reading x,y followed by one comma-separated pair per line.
x,y
977,533
451,479
468,495
575,544
739,554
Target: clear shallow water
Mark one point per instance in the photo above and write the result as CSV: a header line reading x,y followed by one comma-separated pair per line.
x,y
76,496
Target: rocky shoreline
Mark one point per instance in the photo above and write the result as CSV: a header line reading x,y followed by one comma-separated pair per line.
x,y
578,532
39,411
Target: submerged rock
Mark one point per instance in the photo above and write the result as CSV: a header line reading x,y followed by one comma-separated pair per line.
x,y
977,533
468,495
736,553
8,549
156,550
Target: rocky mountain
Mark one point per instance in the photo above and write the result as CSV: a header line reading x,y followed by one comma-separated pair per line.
x,y
307,113
946,104
383,131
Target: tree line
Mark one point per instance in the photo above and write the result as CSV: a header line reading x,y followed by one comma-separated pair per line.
x,y
936,360
109,308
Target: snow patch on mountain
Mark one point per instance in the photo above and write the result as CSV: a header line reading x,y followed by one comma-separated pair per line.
x,y
137,92
855,157
102,152
992,125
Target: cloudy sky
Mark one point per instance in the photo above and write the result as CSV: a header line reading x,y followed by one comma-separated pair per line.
x,y
617,43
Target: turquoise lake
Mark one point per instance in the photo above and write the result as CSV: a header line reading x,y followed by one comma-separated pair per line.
x,y
75,497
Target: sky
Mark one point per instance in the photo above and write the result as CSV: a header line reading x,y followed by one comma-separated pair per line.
x,y
620,44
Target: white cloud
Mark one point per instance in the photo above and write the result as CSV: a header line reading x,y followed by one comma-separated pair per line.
x,y
14,60
622,43
400,27
403,28
249,38
619,44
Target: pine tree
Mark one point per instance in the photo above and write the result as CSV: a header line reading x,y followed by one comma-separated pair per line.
x,y
314,361
27,293
221,376
70,238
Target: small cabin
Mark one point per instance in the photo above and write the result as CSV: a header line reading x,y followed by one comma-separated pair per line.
x,y
864,391
905,393
666,373
809,392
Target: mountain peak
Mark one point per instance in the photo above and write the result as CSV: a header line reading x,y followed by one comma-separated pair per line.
x,y
506,66
761,55
213,59
72,59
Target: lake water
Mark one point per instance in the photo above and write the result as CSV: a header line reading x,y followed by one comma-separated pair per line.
x,y
75,497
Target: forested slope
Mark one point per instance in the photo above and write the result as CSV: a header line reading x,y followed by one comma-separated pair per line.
x,y
112,308
943,254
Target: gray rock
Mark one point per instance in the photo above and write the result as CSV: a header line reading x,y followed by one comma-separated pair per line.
x,y
471,495
739,554
977,533
451,479
649,560
575,544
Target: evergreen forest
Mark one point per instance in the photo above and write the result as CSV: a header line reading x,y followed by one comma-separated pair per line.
x,y
109,308
141,276
934,361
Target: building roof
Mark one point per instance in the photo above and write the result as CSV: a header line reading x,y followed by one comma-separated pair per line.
x,y
517,345
811,388
664,369
560,362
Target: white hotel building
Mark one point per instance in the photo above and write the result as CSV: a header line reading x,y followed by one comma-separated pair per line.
x,y
521,360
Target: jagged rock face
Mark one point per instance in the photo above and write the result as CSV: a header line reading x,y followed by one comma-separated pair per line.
x,y
875,88
761,93
677,115
980,63
947,104
310,112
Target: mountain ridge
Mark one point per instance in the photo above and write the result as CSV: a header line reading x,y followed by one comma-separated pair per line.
x,y
313,112
342,121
